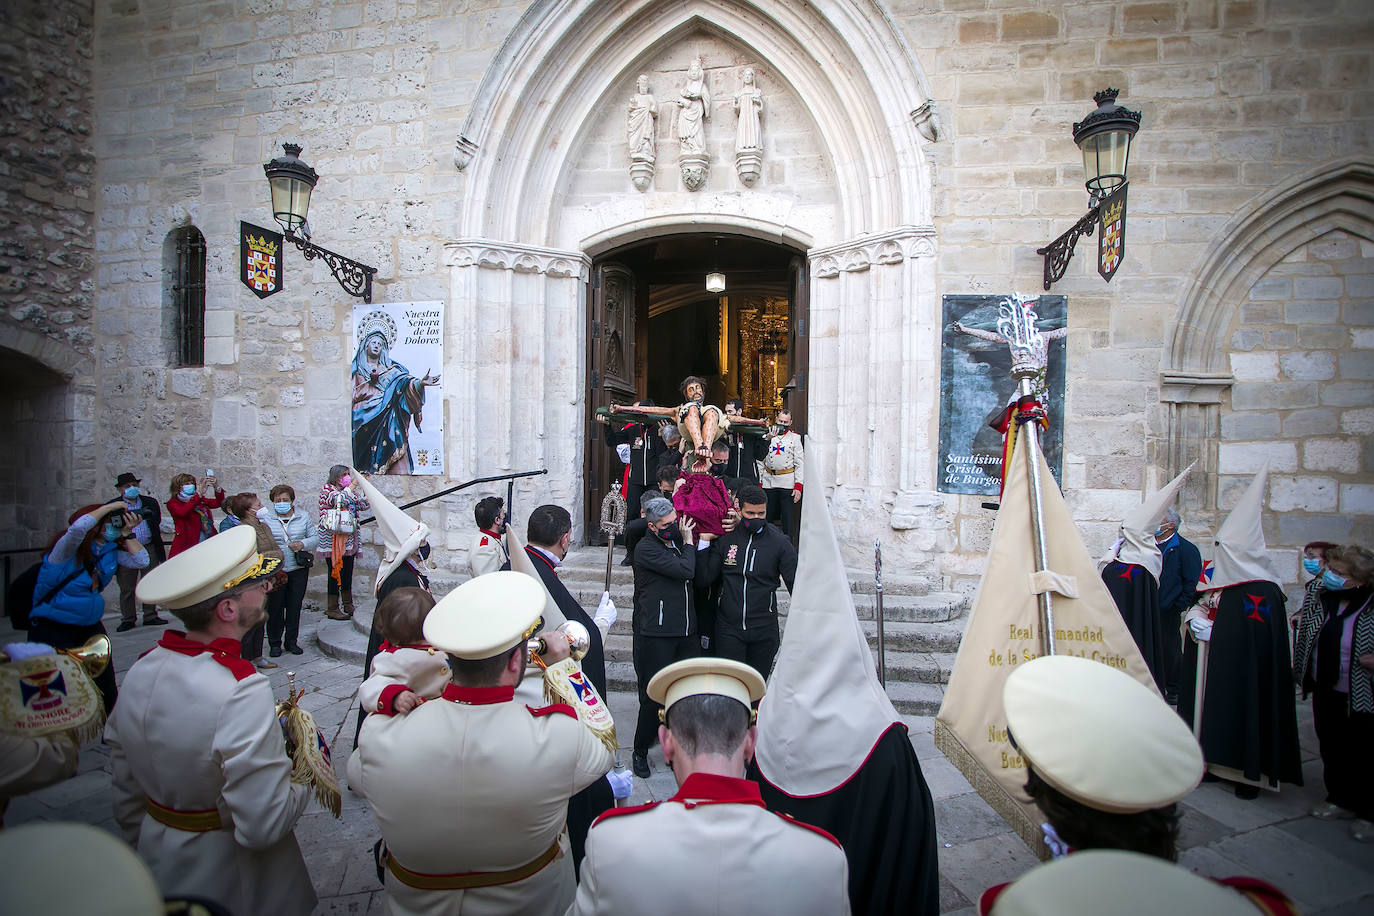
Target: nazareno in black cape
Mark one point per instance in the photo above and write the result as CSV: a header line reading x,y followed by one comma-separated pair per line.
x,y
1249,713
1136,594
884,818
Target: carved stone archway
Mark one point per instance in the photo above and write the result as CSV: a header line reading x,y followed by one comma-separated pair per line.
x,y
520,265
1196,374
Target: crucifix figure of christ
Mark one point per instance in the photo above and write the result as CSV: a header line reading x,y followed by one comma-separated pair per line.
x,y
701,424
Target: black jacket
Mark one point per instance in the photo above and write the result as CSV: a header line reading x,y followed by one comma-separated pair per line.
x,y
663,580
594,662
644,456
749,568
1178,576
152,513
744,451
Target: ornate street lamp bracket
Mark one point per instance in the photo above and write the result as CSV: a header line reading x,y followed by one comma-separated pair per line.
x,y
1060,251
354,276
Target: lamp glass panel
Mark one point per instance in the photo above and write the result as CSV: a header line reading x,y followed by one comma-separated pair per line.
x,y
290,201
715,283
1104,160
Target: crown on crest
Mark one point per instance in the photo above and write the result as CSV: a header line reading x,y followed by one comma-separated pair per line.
x,y
260,243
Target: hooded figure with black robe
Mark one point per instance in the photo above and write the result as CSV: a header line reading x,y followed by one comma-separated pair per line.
x,y
832,751
1236,688
1130,570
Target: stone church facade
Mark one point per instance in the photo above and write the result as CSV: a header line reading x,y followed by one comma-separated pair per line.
x,y
476,153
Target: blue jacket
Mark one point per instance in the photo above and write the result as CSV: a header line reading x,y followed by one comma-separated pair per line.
x,y
76,602
1179,574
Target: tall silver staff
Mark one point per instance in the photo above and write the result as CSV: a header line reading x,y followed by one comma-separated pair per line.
x,y
612,523
1030,348
878,610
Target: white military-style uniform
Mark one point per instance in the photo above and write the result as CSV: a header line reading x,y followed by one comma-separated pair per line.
x,y
474,787
194,740
782,463
710,849
487,553
421,669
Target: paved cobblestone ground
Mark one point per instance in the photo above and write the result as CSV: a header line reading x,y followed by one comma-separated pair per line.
x,y
1317,863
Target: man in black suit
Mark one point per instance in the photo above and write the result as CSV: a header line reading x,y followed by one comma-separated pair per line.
x,y
547,538
149,534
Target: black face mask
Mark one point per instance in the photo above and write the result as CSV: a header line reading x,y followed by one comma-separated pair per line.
x,y
423,552
669,533
753,525
718,469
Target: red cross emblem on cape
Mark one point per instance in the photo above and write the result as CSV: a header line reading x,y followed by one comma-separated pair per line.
x,y
1111,233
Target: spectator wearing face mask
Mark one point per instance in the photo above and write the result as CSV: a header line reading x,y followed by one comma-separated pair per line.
x,y
1310,616
1337,665
147,532
190,506
748,564
296,535
67,604
243,508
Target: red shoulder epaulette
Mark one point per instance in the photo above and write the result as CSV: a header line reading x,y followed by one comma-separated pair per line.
x,y
552,709
484,541
812,827
630,809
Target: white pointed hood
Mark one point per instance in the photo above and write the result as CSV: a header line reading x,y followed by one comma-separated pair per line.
x,y
401,534
520,562
824,709
1238,552
1137,543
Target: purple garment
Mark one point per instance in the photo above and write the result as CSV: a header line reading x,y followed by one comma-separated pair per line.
x,y
704,499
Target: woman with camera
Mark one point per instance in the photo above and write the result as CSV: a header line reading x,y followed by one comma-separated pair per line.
x,y
67,601
297,536
190,506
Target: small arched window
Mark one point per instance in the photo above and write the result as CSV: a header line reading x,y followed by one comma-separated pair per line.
x,y
184,258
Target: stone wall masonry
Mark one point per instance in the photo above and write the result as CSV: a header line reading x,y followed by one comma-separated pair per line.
x,y
1302,395
46,201
1237,97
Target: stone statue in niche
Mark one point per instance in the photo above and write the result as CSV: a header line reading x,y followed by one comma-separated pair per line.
x,y
748,134
642,130
694,108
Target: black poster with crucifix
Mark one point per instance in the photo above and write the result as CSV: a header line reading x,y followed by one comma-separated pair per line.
x,y
977,387
260,252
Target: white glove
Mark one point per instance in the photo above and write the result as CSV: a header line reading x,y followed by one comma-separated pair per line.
x,y
605,611
622,782
1202,629
623,450
18,651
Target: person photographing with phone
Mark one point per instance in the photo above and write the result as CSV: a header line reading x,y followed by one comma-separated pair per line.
x,y
148,531
190,505
67,601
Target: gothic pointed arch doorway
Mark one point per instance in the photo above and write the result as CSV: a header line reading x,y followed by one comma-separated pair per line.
x,y
651,322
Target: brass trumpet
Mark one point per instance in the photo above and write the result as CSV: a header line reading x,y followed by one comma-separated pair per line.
x,y
579,640
93,654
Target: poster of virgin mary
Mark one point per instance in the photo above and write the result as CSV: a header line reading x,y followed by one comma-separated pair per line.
x,y
397,411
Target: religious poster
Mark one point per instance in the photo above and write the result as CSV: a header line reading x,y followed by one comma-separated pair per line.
x,y
398,394
260,252
977,387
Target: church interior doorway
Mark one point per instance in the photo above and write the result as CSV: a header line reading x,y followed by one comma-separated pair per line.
x,y
651,321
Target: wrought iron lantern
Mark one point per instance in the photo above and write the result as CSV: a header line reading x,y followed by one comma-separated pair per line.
x,y
291,181
1104,138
